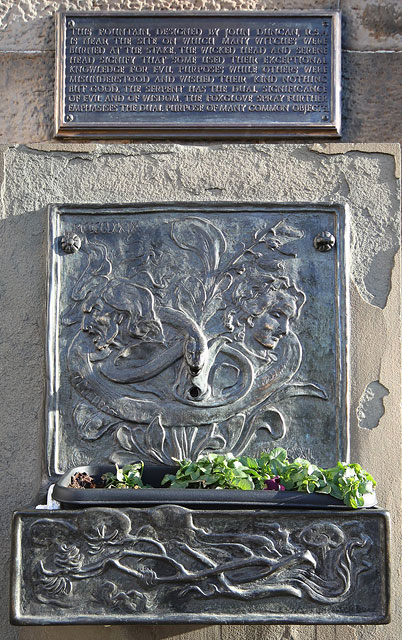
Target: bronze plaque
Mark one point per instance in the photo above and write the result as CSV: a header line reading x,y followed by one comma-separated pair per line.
x,y
181,328
171,565
198,75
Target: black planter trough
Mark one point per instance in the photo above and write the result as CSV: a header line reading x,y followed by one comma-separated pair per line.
x,y
205,498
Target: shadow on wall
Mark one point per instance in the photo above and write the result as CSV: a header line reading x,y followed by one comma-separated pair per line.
x,y
140,632
22,371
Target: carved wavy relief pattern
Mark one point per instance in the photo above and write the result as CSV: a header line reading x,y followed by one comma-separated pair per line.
x,y
117,561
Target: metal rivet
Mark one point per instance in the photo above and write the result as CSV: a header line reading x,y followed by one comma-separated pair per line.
x,y
69,118
324,241
325,117
70,242
71,24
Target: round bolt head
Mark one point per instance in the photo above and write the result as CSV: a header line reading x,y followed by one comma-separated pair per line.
x,y
70,243
71,24
324,241
69,118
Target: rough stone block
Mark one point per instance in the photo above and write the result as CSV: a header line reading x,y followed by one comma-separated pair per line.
x,y
371,96
26,87
29,25
372,25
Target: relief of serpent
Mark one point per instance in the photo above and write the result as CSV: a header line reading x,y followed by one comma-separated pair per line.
x,y
192,350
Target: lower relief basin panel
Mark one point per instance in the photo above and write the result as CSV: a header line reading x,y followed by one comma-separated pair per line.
x,y
170,564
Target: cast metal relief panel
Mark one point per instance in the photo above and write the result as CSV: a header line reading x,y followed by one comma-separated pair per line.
x,y
177,329
172,564
198,75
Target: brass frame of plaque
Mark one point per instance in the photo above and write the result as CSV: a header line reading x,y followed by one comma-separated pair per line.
x,y
312,110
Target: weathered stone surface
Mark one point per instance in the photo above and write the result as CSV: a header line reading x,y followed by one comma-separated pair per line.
x,y
376,330
28,25
21,368
369,26
371,81
213,173
371,406
372,25
271,632
129,632
371,97
26,88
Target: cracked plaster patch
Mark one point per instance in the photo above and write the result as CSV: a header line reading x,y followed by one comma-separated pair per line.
x,y
378,278
340,148
361,176
371,405
375,232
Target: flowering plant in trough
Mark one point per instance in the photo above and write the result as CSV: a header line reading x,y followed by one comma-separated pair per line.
x,y
273,471
270,471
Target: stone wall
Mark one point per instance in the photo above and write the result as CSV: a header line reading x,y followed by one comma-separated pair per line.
x,y
364,176
372,54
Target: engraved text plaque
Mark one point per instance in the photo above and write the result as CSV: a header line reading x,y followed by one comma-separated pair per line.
x,y
198,75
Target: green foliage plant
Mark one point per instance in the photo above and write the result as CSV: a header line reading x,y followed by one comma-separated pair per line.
x,y
347,482
127,477
273,470
217,471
